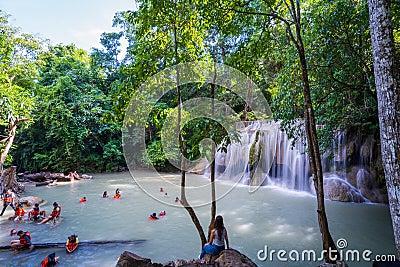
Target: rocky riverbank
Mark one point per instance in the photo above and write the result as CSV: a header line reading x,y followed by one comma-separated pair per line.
x,y
228,258
45,178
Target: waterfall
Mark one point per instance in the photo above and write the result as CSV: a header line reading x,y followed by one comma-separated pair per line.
x,y
265,156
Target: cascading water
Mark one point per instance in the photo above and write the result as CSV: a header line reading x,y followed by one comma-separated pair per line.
x,y
265,156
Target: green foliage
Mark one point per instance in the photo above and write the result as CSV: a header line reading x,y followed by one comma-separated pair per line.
x,y
338,51
74,103
68,132
18,53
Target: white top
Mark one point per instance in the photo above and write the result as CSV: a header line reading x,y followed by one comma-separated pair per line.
x,y
217,241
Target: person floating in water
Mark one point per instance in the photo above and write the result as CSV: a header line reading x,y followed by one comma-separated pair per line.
x,y
162,213
24,241
82,200
162,190
72,243
117,193
54,214
35,214
105,195
153,217
8,200
50,261
218,237
177,200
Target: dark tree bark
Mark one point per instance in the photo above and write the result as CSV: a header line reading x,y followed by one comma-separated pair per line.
x,y
312,140
387,88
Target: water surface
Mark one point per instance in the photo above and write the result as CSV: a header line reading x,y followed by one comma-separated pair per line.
x,y
271,217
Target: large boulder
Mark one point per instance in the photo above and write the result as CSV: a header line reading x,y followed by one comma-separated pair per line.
x,y
338,189
129,259
30,201
35,177
233,258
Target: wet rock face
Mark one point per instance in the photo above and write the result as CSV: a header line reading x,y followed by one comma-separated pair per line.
x,y
358,186
358,162
368,187
338,189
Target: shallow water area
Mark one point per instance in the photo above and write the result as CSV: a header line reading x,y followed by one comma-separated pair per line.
x,y
272,217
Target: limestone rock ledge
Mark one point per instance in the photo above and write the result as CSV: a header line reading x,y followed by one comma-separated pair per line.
x,y
227,258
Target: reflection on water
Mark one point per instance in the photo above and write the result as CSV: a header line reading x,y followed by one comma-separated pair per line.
x,y
270,216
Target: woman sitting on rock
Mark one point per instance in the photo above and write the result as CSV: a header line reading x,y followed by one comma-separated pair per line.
x,y
218,237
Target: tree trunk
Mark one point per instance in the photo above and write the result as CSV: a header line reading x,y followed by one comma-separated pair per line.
x,y
387,87
312,143
9,142
8,181
212,167
184,201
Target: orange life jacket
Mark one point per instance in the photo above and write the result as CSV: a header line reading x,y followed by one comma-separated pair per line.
x,y
82,200
117,196
49,262
71,245
23,241
45,262
19,212
8,198
35,212
152,218
55,213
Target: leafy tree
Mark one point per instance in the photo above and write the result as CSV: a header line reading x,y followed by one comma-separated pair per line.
x,y
68,132
173,32
18,53
287,16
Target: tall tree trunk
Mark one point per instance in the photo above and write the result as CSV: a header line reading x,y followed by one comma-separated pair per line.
x,y
312,142
184,201
212,167
387,88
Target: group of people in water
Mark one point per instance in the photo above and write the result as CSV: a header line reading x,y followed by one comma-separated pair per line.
x,y
35,214
117,194
25,242
216,242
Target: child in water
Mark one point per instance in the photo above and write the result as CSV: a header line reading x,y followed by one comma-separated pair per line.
x,y
117,193
153,217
